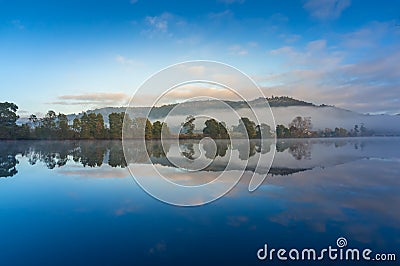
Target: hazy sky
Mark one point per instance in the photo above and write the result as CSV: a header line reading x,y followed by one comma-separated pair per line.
x,y
73,55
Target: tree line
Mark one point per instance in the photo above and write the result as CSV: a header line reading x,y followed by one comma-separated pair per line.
x,y
55,126
301,127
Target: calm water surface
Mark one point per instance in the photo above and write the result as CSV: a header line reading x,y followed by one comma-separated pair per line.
x,y
75,203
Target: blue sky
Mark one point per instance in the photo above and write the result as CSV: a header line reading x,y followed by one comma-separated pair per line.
x,y
72,55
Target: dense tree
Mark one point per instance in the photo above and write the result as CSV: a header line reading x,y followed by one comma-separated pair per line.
x,y
23,132
263,131
215,130
300,127
33,120
49,121
148,130
246,128
282,132
356,131
188,126
340,132
160,128
116,122
212,129
223,132
129,128
76,128
64,131
85,127
8,119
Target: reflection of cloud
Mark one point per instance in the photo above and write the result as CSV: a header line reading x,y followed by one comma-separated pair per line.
x,y
346,194
237,221
128,207
158,248
326,9
229,2
99,99
102,172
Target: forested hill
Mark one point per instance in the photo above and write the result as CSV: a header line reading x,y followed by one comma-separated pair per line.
x,y
192,107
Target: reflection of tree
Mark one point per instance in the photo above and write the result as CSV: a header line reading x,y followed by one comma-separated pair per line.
x,y
116,157
187,150
50,159
90,153
156,149
262,147
300,150
7,165
222,147
246,150
281,146
218,148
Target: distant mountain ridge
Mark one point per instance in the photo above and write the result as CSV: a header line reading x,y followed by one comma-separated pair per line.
x,y
188,107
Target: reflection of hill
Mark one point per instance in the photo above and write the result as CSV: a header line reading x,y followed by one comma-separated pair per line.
x,y
285,171
221,167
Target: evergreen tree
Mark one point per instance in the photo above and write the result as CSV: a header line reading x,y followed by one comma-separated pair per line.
x,y
8,119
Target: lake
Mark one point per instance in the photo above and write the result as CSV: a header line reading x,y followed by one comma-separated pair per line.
x,y
75,203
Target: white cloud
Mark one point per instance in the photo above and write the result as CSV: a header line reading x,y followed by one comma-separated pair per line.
x,y
359,73
326,9
18,24
238,50
282,50
195,90
290,38
197,70
123,60
315,54
368,36
165,24
95,99
316,45
220,15
159,23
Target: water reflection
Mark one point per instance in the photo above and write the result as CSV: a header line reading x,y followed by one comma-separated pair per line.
x,y
292,155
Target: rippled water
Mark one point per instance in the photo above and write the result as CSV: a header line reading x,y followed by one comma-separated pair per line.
x,y
75,203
